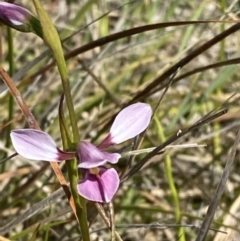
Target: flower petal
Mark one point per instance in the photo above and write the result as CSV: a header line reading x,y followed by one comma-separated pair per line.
x,y
99,188
90,156
130,122
13,14
37,145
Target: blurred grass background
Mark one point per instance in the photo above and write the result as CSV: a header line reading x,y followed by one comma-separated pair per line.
x,y
175,187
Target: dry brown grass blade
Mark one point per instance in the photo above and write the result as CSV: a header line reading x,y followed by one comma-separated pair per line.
x,y
218,194
106,220
111,212
133,31
18,172
145,93
33,124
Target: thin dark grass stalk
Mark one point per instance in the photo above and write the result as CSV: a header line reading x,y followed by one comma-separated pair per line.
x,y
225,104
116,36
206,119
138,144
142,95
196,71
100,83
133,31
218,194
20,74
145,93
8,158
99,18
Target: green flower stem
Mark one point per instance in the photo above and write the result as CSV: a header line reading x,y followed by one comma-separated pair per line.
x,y
79,200
51,38
170,179
11,99
71,164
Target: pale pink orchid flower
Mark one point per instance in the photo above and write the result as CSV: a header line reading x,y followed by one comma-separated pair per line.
x,y
99,183
15,16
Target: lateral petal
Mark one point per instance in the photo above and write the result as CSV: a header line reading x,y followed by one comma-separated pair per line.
x,y
37,145
130,122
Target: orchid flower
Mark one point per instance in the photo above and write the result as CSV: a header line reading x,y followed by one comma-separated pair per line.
x,y
19,18
99,183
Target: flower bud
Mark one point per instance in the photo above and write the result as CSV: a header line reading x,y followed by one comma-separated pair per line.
x,y
19,18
